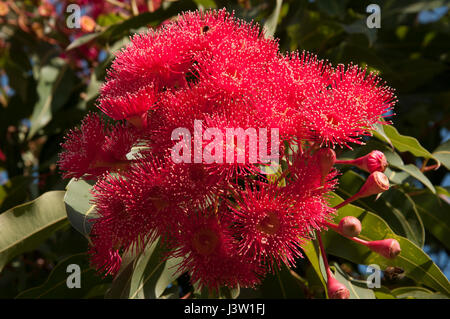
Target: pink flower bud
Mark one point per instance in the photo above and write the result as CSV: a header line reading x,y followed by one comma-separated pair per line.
x,y
375,161
372,162
350,226
336,290
376,183
326,158
388,248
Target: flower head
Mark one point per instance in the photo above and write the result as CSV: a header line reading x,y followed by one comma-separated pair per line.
x,y
95,148
211,256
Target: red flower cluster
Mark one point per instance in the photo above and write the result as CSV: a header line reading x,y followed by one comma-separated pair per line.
x,y
231,222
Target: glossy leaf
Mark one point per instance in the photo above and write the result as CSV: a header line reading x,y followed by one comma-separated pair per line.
x,y
312,252
146,276
154,19
80,210
84,39
405,143
55,83
24,227
435,213
442,153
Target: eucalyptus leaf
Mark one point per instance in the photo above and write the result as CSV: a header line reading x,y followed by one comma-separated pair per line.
x,y
55,82
24,227
435,213
405,143
442,153
146,276
80,211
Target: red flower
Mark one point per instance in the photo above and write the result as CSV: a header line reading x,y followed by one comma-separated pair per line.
x,y
348,110
210,254
270,225
209,70
121,100
95,148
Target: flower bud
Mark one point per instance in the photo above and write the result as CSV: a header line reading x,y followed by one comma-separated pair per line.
x,y
350,226
376,183
87,24
372,162
375,161
336,290
326,158
388,248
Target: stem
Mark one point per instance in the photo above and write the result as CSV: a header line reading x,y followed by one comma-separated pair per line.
x,y
332,226
345,162
324,257
348,200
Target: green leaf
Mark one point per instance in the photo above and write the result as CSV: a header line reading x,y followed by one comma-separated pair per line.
x,y
80,211
405,143
380,134
146,276
442,153
416,264
358,288
394,206
417,174
84,39
312,252
395,176
435,213
55,82
383,293
55,287
416,293
24,227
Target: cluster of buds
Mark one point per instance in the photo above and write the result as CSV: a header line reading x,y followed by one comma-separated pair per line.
x,y
374,163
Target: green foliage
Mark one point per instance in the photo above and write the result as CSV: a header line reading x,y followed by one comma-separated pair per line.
x,y
25,226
